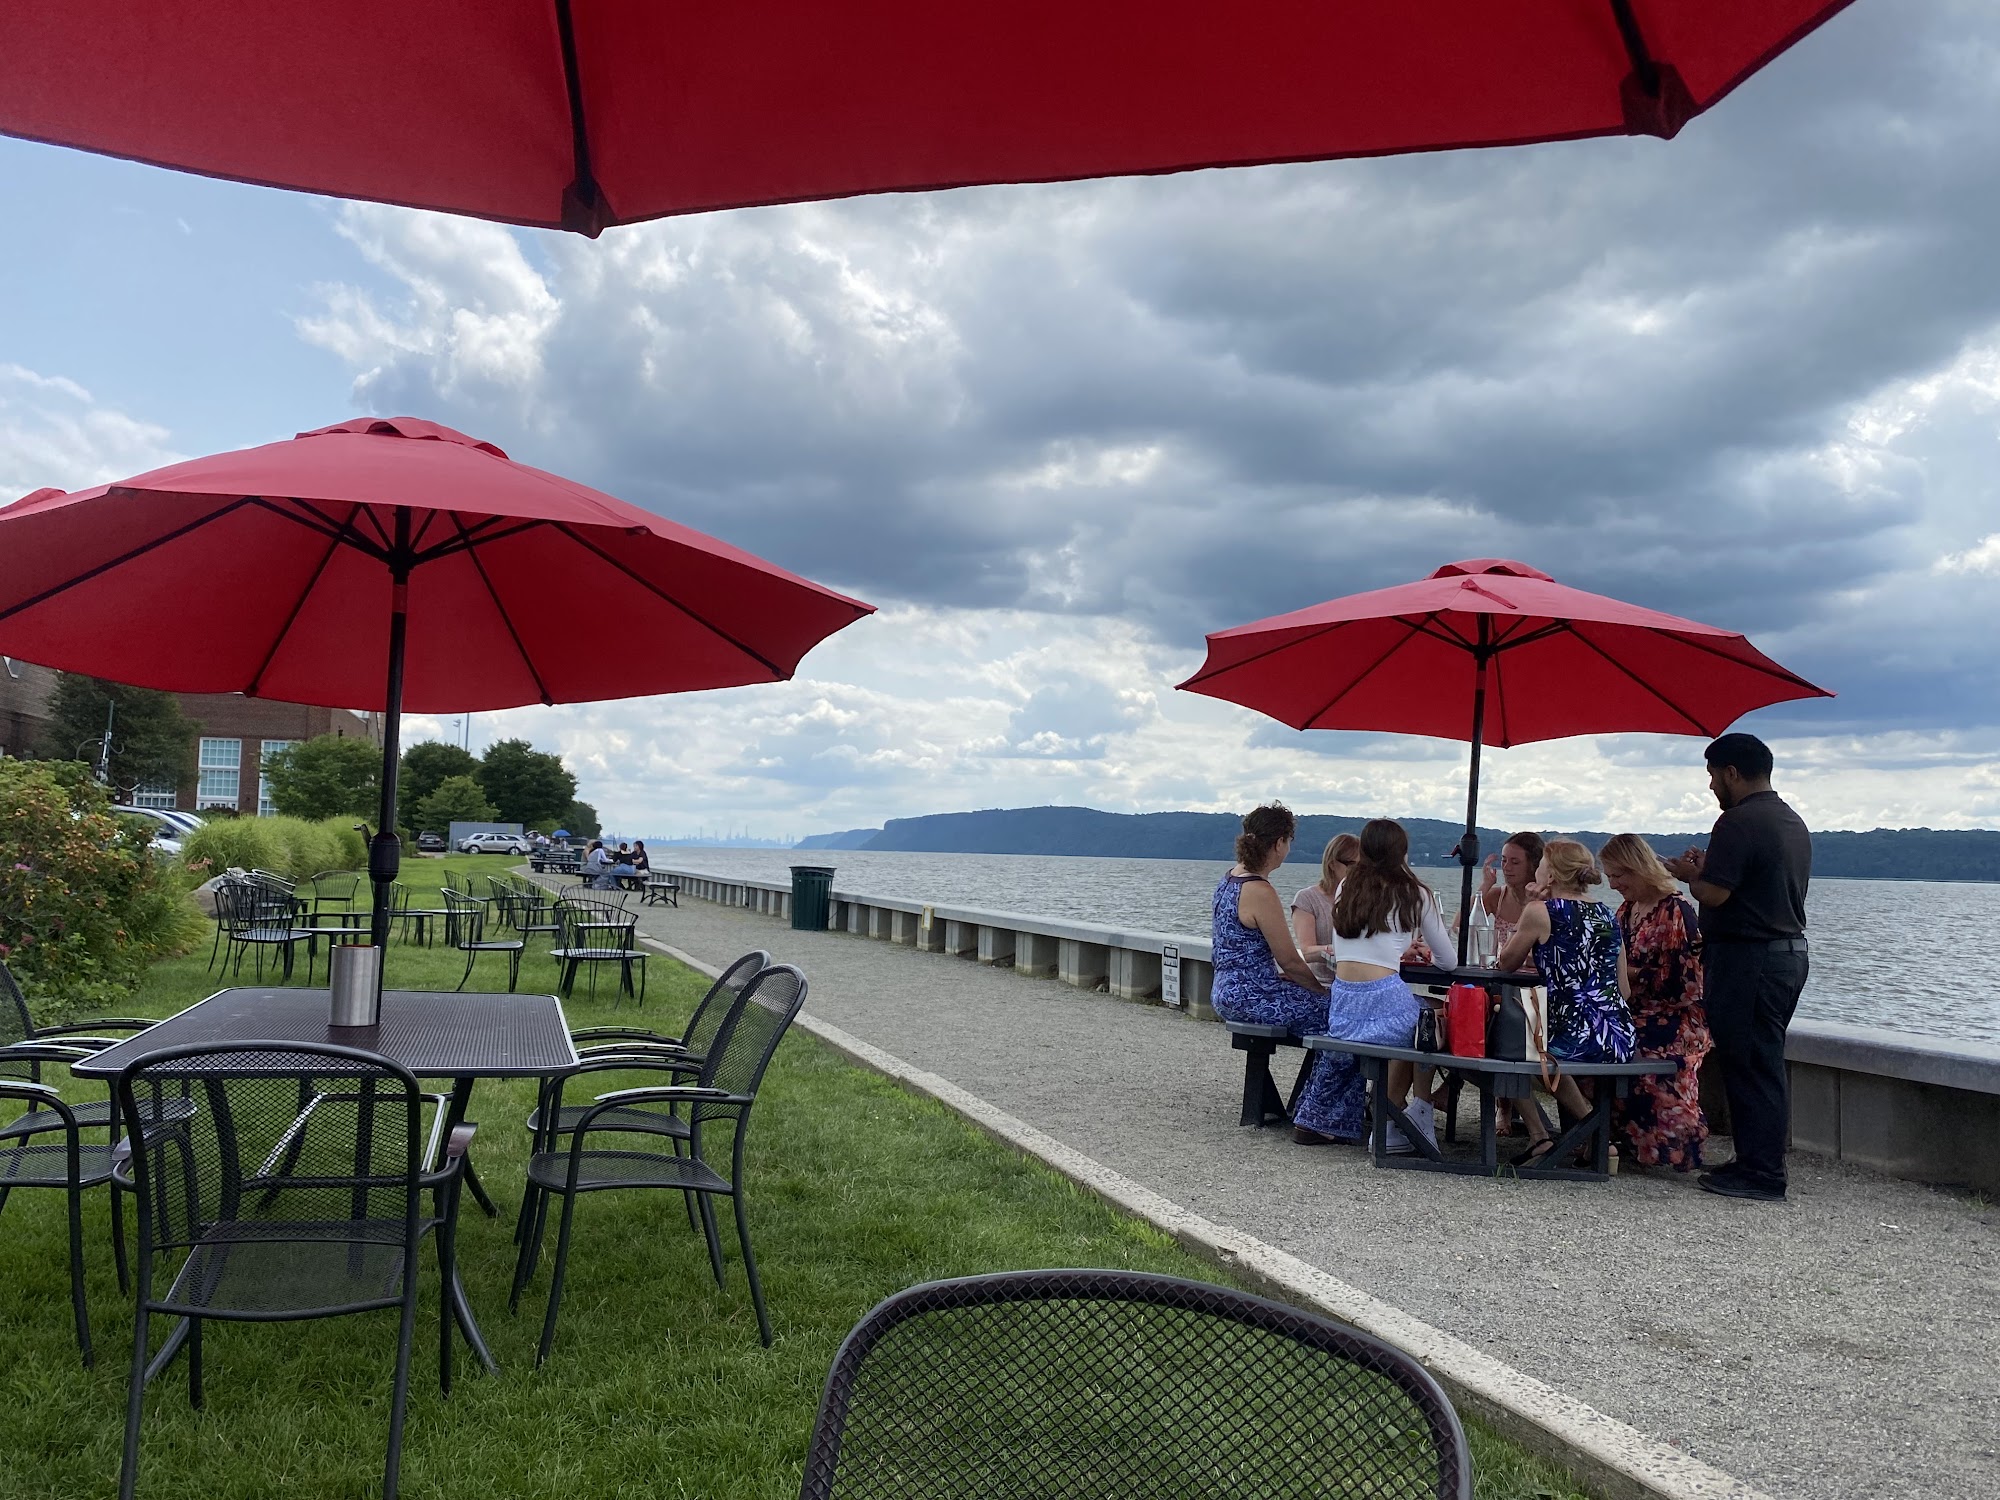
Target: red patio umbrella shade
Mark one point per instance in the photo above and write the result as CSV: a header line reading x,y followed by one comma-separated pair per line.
x,y
579,114
1497,652
384,564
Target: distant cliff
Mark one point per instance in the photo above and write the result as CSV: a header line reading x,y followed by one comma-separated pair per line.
x,y
1880,854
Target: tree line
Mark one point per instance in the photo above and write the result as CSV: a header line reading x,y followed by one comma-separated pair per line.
x,y
153,742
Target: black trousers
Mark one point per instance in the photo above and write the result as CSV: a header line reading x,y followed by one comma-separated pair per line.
x,y
1750,991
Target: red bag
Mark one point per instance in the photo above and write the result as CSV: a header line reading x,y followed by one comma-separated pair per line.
x,y
1465,1019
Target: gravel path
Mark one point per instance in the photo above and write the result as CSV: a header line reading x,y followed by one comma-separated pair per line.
x,y
1841,1346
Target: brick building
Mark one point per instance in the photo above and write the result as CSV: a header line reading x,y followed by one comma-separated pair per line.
x,y
236,732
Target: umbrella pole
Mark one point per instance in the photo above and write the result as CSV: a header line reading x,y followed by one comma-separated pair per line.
x,y
385,851
1468,843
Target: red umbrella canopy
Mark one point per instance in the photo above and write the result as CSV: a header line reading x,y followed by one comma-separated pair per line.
x,y
1557,662
269,572
578,114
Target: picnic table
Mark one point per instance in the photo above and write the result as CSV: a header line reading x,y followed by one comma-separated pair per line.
x,y
661,890
434,1034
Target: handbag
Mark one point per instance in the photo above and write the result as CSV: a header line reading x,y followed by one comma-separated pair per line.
x,y
1465,1019
1430,1036
1521,1029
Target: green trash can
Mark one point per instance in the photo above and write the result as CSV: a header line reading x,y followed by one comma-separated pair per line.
x,y
812,895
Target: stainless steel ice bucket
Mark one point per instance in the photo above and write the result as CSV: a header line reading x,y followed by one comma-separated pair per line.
x,y
356,982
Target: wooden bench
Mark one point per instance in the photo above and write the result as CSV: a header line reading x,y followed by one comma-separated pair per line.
x,y
661,890
1592,1132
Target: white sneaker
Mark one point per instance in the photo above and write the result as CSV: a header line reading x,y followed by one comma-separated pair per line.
x,y
1398,1143
1424,1118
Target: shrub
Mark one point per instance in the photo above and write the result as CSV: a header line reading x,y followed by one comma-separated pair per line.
x,y
284,846
85,905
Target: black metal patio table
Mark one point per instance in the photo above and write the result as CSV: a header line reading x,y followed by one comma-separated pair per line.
x,y
434,1034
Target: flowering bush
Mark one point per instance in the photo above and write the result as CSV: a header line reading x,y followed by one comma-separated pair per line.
x,y
85,905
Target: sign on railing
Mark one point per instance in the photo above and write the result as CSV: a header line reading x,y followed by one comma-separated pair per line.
x,y
1170,975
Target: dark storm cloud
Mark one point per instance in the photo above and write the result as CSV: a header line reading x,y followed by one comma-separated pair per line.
x,y
1201,399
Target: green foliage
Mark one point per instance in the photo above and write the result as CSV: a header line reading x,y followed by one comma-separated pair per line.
x,y
580,819
425,768
284,846
526,785
457,799
347,839
329,776
87,905
151,739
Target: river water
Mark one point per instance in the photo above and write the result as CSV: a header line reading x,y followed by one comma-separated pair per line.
x,y
1882,950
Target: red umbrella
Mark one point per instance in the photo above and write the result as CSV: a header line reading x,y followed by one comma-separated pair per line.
x,y
391,564
581,115
1532,659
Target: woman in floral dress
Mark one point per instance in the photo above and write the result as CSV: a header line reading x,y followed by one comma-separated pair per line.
x,y
1576,947
1660,1122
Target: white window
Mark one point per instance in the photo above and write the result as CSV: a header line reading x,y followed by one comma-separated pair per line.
x,y
265,808
221,773
155,794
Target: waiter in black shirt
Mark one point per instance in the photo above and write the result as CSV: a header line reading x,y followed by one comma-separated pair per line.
x,y
1751,887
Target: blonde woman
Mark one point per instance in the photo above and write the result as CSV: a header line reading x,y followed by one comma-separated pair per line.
x,y
1312,908
1660,1123
1575,944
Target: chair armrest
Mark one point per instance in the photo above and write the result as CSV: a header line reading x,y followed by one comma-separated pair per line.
x,y
687,1092
101,1023
31,1093
38,1051
460,1141
662,1050
628,1033
121,1162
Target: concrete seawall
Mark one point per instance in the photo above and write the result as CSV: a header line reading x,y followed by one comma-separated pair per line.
x,y
1908,1105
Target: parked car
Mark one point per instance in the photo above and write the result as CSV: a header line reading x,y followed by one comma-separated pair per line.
x,y
430,843
167,832
495,843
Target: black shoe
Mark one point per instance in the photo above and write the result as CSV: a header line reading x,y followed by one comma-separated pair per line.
x,y
1729,1185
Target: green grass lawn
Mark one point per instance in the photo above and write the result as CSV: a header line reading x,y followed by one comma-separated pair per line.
x,y
658,1385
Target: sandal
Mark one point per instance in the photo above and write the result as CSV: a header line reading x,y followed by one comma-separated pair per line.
x,y
1536,1153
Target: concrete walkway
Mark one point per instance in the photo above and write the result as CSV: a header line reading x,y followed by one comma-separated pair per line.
x,y
1842,1346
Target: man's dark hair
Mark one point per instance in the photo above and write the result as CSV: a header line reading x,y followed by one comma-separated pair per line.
x,y
1749,756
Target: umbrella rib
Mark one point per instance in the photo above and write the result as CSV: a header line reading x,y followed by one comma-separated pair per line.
x,y
1326,629
472,552
1540,633
661,594
1768,668
298,607
1699,727
468,537
149,545
1414,628
345,533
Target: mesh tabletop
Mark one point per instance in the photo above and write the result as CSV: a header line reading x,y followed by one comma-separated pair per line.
x,y
435,1034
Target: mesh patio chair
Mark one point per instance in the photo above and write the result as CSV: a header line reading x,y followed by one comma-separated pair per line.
x,y
417,921
535,913
605,1153
595,933
467,926
72,1165
689,1048
1099,1385
259,918
333,890
25,1050
303,1187
601,895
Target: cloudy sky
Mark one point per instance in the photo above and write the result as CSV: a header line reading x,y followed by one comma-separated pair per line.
x,y
1751,376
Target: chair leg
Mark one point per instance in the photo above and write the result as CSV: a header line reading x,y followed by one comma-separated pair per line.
x,y
118,1241
513,970
128,1469
447,1248
707,1211
195,1396
750,1269
467,975
399,1402
556,1280
525,1237
76,1271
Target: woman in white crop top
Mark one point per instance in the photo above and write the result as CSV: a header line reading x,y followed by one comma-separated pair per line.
x,y
1379,909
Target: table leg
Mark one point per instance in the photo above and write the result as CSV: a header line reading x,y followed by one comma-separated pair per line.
x,y
1378,1123
461,1307
1489,1134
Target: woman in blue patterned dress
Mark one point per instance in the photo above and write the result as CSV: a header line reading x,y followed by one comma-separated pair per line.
x,y
1577,952
1259,973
